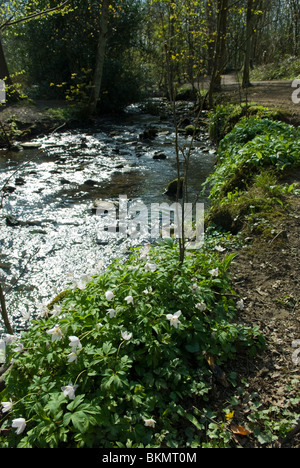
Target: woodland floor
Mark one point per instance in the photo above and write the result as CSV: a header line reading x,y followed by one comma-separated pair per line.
x,y
266,274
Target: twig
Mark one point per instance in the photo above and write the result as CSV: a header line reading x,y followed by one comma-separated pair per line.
x,y
58,128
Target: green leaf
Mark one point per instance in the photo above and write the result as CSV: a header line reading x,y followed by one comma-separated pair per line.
x,y
81,421
193,347
194,421
76,402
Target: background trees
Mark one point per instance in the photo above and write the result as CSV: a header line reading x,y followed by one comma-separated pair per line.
x,y
113,51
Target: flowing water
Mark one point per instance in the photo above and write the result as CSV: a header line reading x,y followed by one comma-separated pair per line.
x,y
48,226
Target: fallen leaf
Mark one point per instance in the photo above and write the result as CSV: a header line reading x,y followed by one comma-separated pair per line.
x,y
239,430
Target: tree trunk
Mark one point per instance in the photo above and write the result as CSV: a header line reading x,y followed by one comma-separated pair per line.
x,y
220,50
12,95
100,56
249,30
4,314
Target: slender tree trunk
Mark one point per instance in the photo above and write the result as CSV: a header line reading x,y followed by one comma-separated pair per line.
x,y
211,30
249,30
220,50
169,52
4,313
100,56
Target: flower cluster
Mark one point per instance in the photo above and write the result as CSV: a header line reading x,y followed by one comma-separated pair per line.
x,y
105,346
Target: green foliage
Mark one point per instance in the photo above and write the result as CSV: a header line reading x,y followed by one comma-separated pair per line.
x,y
252,145
224,118
121,381
287,68
58,54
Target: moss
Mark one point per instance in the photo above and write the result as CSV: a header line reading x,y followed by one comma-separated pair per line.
x,y
191,130
254,210
59,298
171,189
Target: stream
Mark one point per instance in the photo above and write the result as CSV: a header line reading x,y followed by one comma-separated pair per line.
x,y
49,230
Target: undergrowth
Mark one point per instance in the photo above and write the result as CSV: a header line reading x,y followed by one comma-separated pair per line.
x,y
145,335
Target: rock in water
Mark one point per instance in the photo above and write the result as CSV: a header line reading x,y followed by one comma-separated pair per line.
x,y
171,190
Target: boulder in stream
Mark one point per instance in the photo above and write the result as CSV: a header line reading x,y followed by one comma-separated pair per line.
x,y
149,133
160,155
171,189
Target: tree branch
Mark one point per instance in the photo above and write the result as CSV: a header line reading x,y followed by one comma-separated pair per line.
x,y
34,15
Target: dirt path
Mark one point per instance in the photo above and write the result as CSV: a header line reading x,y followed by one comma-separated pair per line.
x,y
266,275
273,94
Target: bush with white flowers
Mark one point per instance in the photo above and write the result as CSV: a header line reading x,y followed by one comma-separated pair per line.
x,y
126,356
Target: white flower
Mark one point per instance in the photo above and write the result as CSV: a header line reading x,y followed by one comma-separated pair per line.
x,y
150,267
6,406
99,325
75,342
44,311
109,295
129,299
174,318
19,424
9,339
82,282
112,312
56,333
69,391
72,356
195,287
214,272
126,336
148,291
2,351
19,348
26,315
201,306
144,252
149,422
219,248
56,310
240,305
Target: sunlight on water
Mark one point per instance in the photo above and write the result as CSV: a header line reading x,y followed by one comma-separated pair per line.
x,y
48,225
